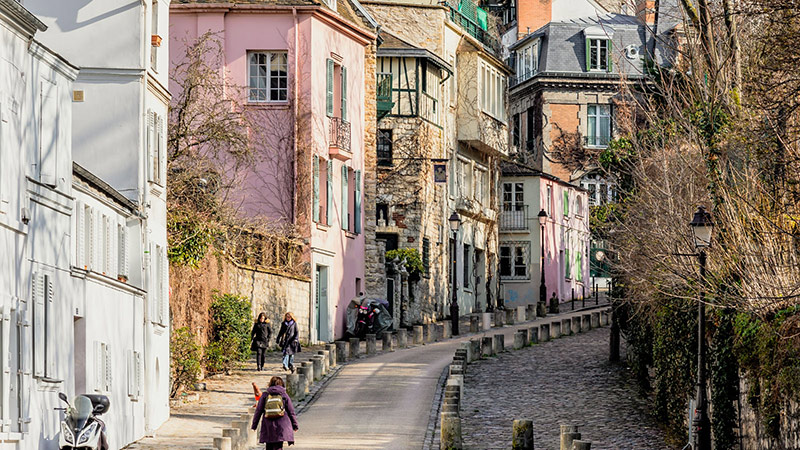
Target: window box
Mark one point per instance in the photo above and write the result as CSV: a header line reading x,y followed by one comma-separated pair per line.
x,y
155,40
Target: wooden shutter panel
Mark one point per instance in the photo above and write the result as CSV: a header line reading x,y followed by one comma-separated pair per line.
x,y
164,287
315,195
130,363
566,263
37,295
106,245
48,139
107,366
345,220
588,54
150,149
578,266
122,250
609,59
566,203
329,209
162,153
49,332
344,93
80,235
5,366
357,206
329,88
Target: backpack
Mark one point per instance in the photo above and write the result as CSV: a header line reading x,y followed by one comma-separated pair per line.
x,y
274,407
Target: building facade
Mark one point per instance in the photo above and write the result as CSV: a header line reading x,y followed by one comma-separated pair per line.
x,y
306,77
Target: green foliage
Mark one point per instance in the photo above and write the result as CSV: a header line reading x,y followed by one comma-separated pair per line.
x,y
601,216
184,360
412,257
724,379
618,152
231,321
189,238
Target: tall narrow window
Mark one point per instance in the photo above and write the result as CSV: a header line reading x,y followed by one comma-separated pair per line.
x,y
598,56
156,38
598,132
515,125
315,187
384,148
529,130
345,213
267,76
466,265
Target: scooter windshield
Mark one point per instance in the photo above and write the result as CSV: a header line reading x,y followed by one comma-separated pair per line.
x,y
79,413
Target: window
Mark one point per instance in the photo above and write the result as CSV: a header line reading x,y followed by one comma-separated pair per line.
x,y
267,76
465,178
529,129
156,152
513,197
336,75
48,133
426,255
345,189
514,260
527,62
598,132
102,367
493,87
156,39
44,330
598,56
466,266
566,202
384,148
548,207
515,125
481,185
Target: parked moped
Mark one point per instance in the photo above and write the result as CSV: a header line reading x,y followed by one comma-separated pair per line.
x,y
81,427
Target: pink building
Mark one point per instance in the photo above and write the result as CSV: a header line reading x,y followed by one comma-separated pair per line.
x,y
302,69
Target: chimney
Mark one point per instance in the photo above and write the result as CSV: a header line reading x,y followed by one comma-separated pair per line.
x,y
533,14
646,11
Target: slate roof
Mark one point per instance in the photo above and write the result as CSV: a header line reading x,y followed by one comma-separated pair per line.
x,y
509,168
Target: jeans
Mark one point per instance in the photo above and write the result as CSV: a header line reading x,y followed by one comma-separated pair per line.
x,y
288,361
261,357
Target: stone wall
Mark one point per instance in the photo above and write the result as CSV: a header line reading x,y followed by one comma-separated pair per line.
x,y
753,433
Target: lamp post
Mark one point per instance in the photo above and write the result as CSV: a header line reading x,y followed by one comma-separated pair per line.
x,y
702,227
455,223
542,287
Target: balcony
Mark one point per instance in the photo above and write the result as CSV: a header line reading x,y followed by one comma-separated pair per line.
x,y
384,94
520,78
474,21
339,141
596,141
514,220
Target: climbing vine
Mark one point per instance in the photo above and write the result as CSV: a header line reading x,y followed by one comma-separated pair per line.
x,y
413,261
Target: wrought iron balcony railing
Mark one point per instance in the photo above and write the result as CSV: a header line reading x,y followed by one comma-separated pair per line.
x,y
514,219
340,134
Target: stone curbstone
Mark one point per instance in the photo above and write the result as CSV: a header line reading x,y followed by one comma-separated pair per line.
x,y
487,348
355,348
576,324
533,335
520,337
586,322
566,327
402,338
595,320
499,343
222,443
544,332
417,335
555,330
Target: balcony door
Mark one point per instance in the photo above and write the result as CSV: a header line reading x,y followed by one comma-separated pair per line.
x,y
513,197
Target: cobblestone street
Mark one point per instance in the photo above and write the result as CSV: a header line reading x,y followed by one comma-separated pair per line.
x,y
565,381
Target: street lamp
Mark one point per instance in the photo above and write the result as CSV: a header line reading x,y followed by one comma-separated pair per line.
x,y
542,287
455,223
702,227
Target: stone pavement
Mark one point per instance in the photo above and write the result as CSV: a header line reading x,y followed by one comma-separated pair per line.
x,y
564,381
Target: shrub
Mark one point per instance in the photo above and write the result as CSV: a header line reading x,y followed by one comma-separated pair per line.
x,y
411,255
184,360
231,319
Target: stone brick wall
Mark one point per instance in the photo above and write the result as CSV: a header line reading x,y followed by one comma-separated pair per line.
x,y
753,433
420,25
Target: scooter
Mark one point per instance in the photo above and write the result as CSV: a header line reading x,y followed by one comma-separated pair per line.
x,y
81,427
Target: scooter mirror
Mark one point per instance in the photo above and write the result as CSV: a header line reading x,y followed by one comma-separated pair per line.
x,y
63,397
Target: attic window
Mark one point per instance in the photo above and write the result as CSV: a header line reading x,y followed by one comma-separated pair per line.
x,y
598,48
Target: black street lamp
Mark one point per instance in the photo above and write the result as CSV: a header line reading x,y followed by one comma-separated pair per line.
x,y
702,227
455,223
542,287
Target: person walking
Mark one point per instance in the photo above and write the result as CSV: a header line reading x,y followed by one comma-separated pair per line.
x,y
276,414
259,338
287,339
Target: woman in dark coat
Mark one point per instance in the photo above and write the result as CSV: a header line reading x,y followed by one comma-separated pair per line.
x,y
260,339
287,339
274,432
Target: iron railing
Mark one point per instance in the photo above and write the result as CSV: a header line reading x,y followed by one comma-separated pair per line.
x,y
471,26
340,133
515,219
384,87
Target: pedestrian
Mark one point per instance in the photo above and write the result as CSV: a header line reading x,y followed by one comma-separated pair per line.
x,y
259,338
287,339
279,421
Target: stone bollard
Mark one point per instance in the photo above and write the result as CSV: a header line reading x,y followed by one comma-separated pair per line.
x,y
476,349
388,341
581,445
252,435
304,382
319,366
447,329
450,407
402,338
499,343
331,348
307,375
568,434
522,435
372,346
555,330
521,316
233,435
486,321
566,327
293,387
499,318
452,394
603,318
541,309
439,331
511,316
467,348
450,438
222,443
533,335
243,427
519,339
342,351
526,334
474,323
487,349
427,332
417,336
544,332
576,324
595,320
456,369
311,375
326,366
530,312
355,348
586,322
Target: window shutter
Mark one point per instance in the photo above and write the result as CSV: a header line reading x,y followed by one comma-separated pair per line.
x,y
344,94
107,366
99,366
162,153
329,208
48,138
329,89
315,196
107,245
38,296
89,238
357,206
164,287
5,366
49,338
122,250
344,218
578,266
588,54
609,59
566,263
150,149
566,203
131,373
139,372
80,235
24,348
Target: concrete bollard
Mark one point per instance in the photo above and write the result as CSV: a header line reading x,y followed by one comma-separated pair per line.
x,y
576,324
526,335
243,427
222,443
581,445
595,320
476,349
541,309
326,366
316,361
252,435
521,316
447,329
355,348
568,434
603,318
331,348
293,387
372,346
467,348
499,317
499,343
566,327
487,348
304,382
450,438
522,435
474,323
533,335
555,330
511,316
427,332
307,375
417,336
233,435
388,341
486,321
311,375
452,394
439,331
519,339
342,351
586,322
544,332
530,312
402,338
456,369
450,407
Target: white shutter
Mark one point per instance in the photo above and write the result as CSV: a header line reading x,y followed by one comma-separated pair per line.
x,y
5,143
91,249
23,355
48,133
150,147
122,250
107,367
80,235
5,369
131,372
38,297
99,366
163,291
49,330
139,372
162,153
106,245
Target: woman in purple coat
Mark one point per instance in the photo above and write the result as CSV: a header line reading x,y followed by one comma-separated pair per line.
x,y
275,431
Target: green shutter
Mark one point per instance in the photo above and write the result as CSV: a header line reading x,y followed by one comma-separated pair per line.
x,y
588,53
344,94
344,218
578,266
357,206
566,203
608,55
566,263
315,202
329,90
329,209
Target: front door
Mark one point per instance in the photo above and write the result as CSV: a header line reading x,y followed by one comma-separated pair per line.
x,y
321,304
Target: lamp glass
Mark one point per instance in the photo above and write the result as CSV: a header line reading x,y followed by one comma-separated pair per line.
x,y
455,222
542,217
702,228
